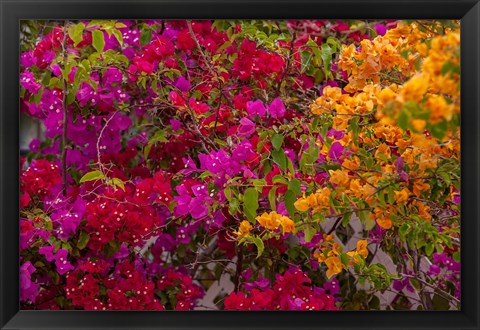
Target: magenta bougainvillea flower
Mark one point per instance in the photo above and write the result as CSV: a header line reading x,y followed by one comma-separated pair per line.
x,y
256,108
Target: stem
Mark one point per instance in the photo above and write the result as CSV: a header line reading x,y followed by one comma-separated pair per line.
x,y
334,225
204,56
238,271
289,59
438,291
65,114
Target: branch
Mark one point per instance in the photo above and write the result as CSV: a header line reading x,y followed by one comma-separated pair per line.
x,y
205,58
289,59
101,166
65,114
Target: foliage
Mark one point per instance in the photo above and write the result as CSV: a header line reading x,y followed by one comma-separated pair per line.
x,y
176,152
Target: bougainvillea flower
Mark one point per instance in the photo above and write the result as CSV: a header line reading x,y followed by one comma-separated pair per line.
x,y
336,151
246,128
277,109
28,288
255,108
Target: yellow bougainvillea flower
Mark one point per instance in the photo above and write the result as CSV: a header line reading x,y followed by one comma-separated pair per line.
x,y
288,226
386,95
414,89
269,221
302,204
273,221
244,229
418,124
334,265
423,210
351,164
360,251
339,177
383,149
419,187
402,195
362,248
318,200
327,237
385,223
320,256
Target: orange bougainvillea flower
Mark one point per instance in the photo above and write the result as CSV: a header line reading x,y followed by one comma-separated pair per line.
x,y
288,226
302,204
334,265
269,221
385,223
383,149
273,221
414,89
244,229
320,256
402,195
419,187
423,210
339,178
362,248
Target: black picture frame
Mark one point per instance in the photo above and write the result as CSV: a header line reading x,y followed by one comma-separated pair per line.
x,y
12,11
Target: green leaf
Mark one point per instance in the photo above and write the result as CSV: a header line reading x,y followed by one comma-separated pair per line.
x,y
119,183
429,248
94,175
289,202
439,130
259,244
250,202
439,248
295,187
280,158
279,179
404,230
354,128
346,219
344,258
403,120
415,283
309,231
159,136
305,56
111,248
145,36
445,177
118,36
277,140
95,22
456,256
98,40
75,32
272,198
83,240
259,184
233,206
309,158
440,303
38,97
228,193
374,303
450,67
327,53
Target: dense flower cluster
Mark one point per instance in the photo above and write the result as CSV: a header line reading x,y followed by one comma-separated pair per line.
x,y
292,291
178,153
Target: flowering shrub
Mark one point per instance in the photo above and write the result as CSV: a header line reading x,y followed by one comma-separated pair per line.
x,y
176,153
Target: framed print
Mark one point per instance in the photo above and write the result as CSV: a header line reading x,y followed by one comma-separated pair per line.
x,y
216,164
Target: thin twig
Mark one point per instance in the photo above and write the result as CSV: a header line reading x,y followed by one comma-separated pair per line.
x,y
65,113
